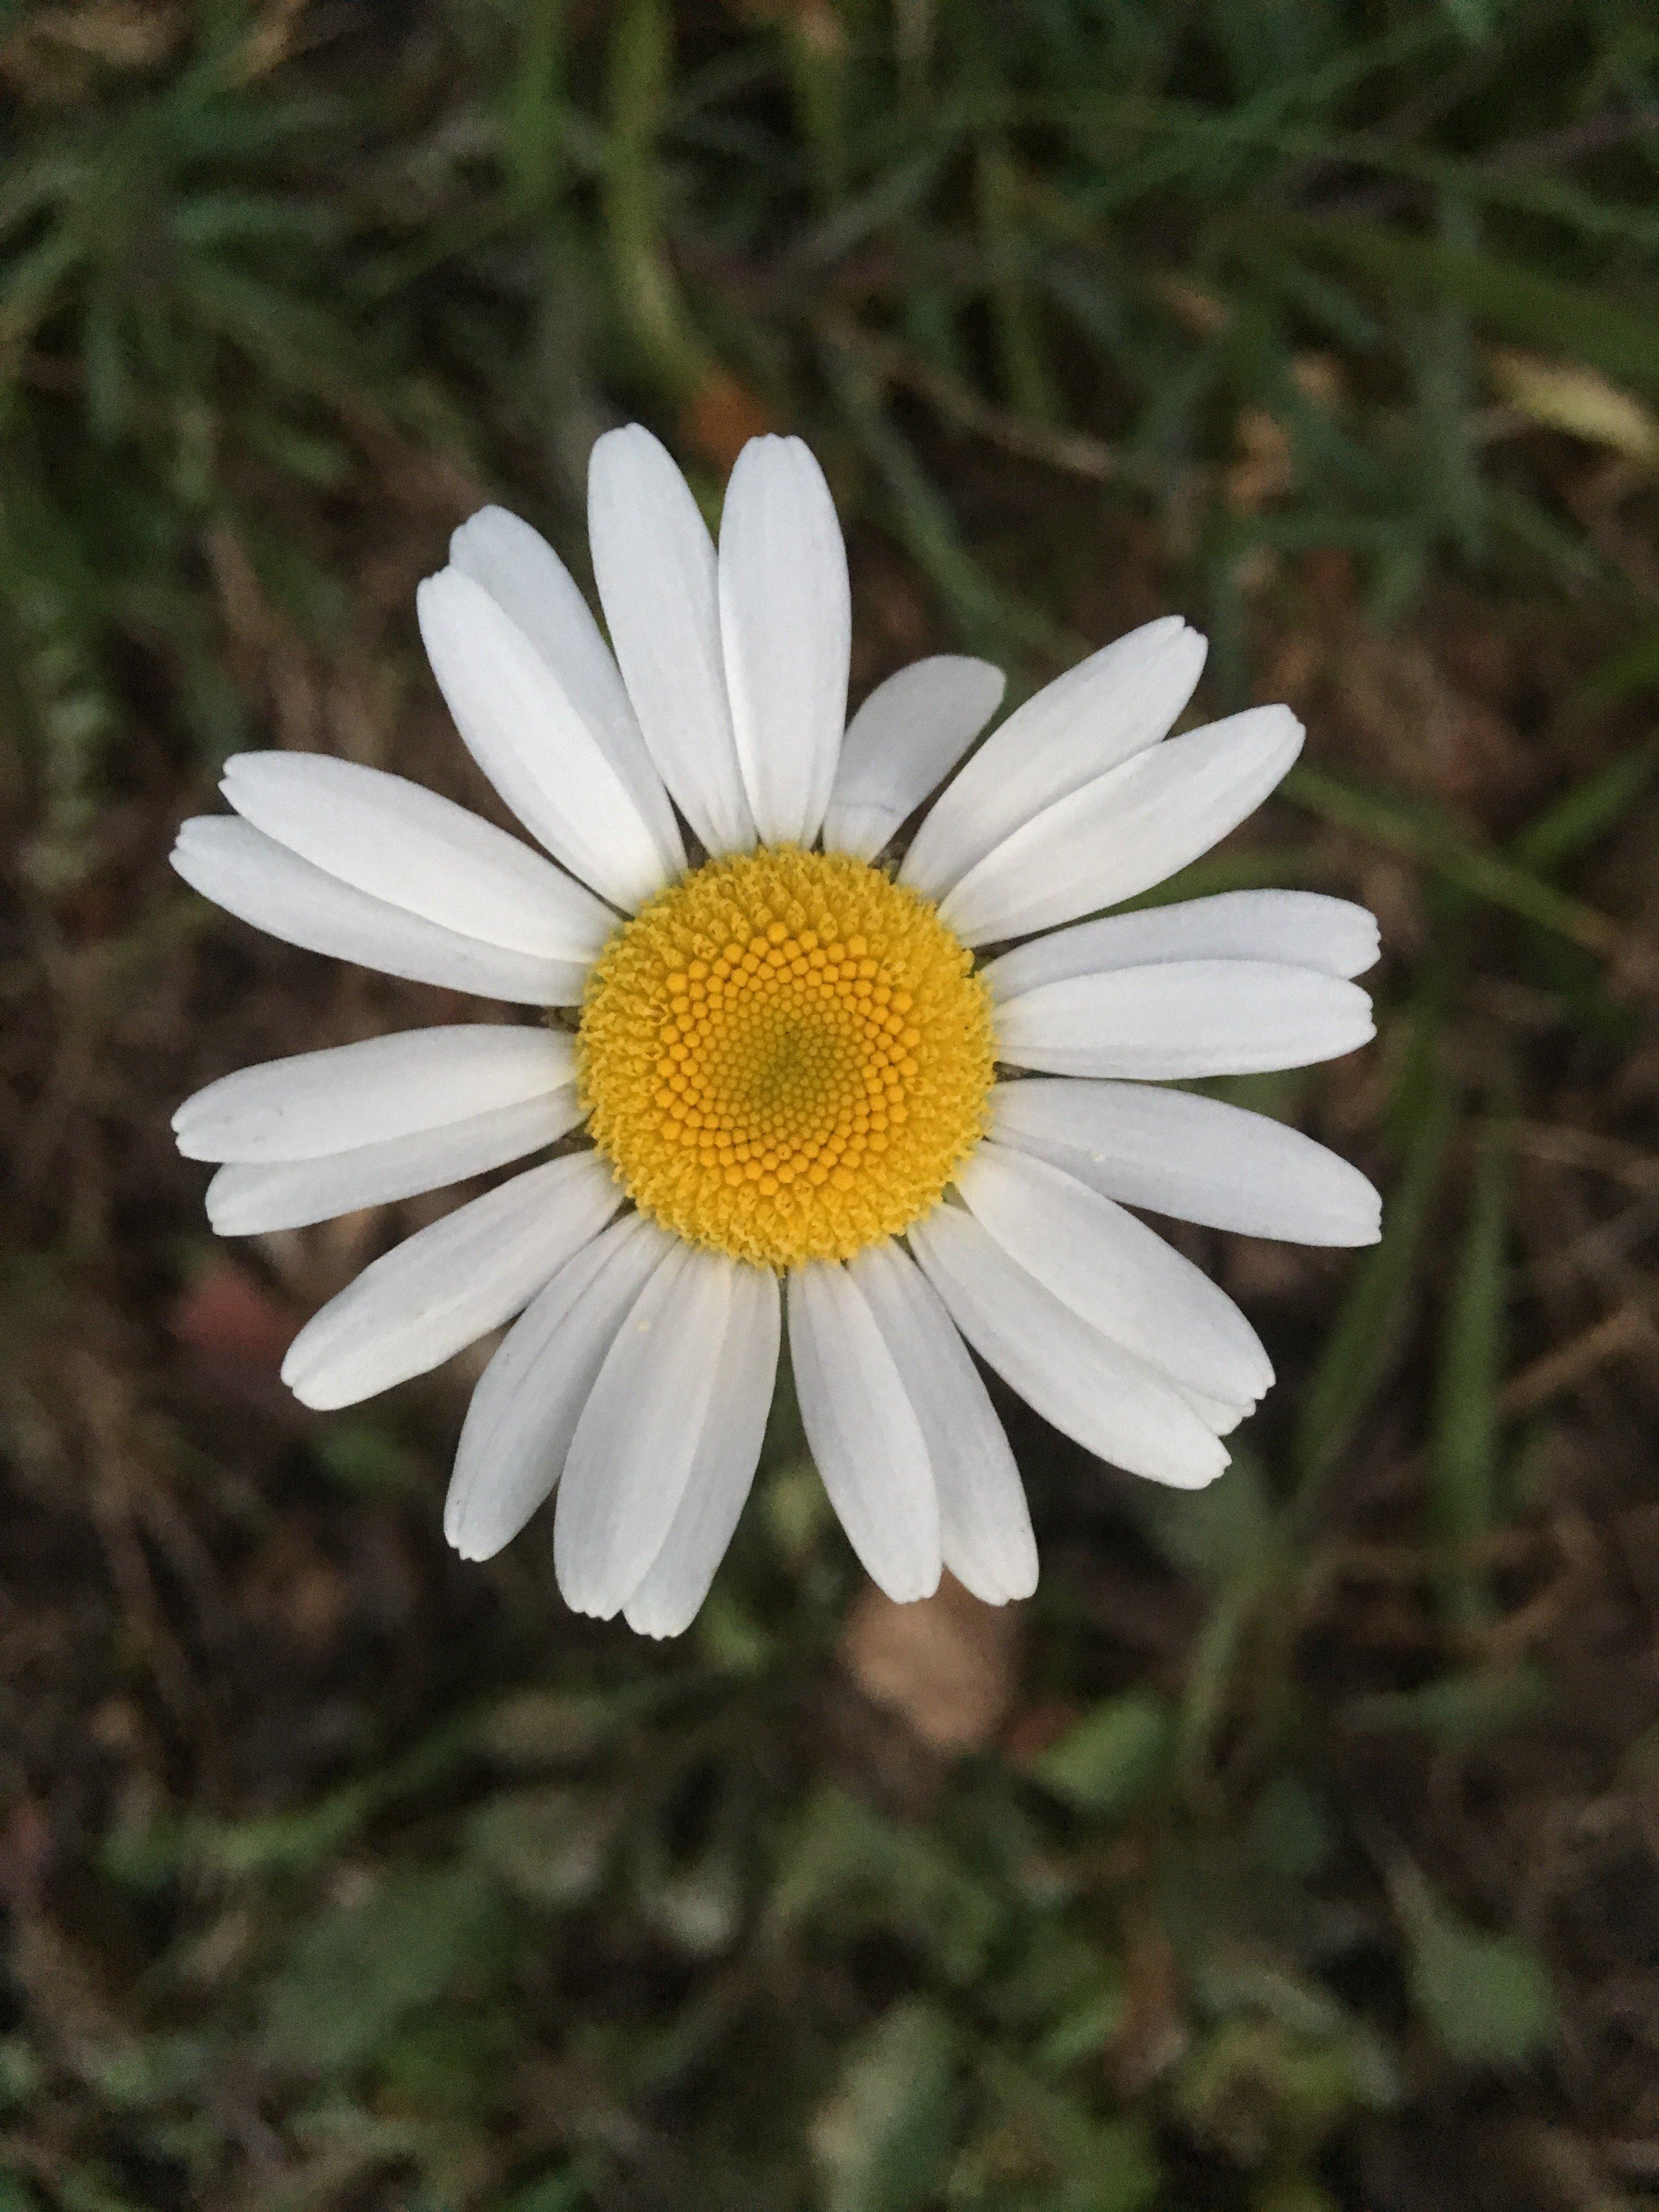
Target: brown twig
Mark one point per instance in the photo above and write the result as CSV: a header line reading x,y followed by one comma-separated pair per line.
x,y
1072,452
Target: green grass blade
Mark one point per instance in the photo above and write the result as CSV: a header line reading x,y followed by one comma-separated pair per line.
x,y
1463,1452
1366,1338
1434,838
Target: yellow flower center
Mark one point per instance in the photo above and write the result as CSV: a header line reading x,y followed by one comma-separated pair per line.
x,y
786,1056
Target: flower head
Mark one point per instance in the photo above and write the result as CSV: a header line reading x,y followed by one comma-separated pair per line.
x,y
807,1094
787,1056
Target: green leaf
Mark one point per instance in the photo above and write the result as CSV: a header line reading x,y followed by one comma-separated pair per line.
x,y
1291,1835
1111,1759
551,1846
1459,1708
1045,2151
571,2190
361,1969
1083,2031
1633,669
880,2142
363,1456
849,1866
1214,1536
1272,2092
1488,1999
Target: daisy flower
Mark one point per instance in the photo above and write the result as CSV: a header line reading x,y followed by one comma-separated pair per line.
x,y
894,1107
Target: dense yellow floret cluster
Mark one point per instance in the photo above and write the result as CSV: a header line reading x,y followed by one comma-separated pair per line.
x,y
786,1056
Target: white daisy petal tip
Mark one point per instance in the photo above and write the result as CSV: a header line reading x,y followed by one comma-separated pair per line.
x,y
1193,1158
522,725
184,841
1115,1274
273,888
449,1284
656,569
1093,1389
863,1431
313,1105
525,1407
1363,948
530,583
1107,837
985,1525
786,629
1095,718
647,1625
1183,651
902,743
1224,1460
315,1395
1180,1019
632,1454
667,1598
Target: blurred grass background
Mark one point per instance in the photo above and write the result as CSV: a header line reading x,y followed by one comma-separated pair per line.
x,y
1295,1849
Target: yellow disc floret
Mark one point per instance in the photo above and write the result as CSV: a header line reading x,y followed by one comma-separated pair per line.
x,y
786,1056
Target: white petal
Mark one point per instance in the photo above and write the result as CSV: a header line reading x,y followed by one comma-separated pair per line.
x,y
1116,1273
1111,1402
451,1284
630,1458
1184,1018
263,883
1126,830
902,742
517,723
246,1199
324,1102
1295,929
1192,1158
1106,709
985,1525
863,1433
786,629
655,564
1218,1413
728,1451
529,1399
534,589
398,843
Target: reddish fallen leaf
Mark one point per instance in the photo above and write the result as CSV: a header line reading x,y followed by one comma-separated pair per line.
x,y
1153,2032
229,1318
25,1849
721,416
1036,1728
946,1664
